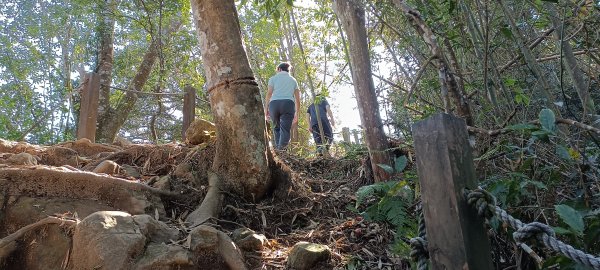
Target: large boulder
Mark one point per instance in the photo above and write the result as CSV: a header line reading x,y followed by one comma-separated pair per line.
x,y
107,240
200,131
305,256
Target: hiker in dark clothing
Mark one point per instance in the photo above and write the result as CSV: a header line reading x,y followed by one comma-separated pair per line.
x,y
283,104
324,111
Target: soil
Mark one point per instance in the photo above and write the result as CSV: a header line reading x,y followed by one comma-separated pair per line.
x,y
312,207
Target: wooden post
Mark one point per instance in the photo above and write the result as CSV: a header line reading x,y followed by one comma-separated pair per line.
x,y
189,109
346,134
88,113
456,234
355,133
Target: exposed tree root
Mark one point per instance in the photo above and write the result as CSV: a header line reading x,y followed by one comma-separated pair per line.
x,y
230,253
8,245
210,208
129,196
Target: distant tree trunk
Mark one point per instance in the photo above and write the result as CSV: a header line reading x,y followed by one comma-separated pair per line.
x,y
352,17
571,63
241,158
112,119
309,77
450,87
104,65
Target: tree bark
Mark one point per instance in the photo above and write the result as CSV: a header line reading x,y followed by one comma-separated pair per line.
x,y
105,32
110,120
571,63
241,158
352,17
309,77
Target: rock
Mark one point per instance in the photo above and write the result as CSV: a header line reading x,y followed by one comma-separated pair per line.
x,y
304,255
248,240
107,167
200,131
131,171
163,183
40,249
162,256
58,156
157,231
204,238
106,240
22,159
204,243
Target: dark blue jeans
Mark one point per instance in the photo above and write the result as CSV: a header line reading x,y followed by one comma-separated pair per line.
x,y
328,134
282,114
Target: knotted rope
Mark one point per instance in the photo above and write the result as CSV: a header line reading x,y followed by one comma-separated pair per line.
x,y
226,83
485,204
419,252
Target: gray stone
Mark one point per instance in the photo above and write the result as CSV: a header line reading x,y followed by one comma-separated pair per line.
x,y
163,183
248,240
107,240
200,131
22,159
162,256
304,255
204,238
131,171
107,167
156,231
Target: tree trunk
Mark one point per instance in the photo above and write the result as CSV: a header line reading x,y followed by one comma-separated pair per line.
x,y
309,77
546,88
571,63
105,32
241,158
112,119
450,88
352,17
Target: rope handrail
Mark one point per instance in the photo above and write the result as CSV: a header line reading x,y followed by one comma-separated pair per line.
x,y
485,204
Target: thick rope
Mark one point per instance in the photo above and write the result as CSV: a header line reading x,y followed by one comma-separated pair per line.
x,y
226,83
485,204
419,252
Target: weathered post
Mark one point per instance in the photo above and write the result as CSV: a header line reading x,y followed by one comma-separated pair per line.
x,y
346,134
189,109
455,233
88,112
356,139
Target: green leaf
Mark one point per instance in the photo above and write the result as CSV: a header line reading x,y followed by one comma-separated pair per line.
x,y
553,1
563,153
400,163
571,217
290,2
506,32
522,127
547,120
561,230
386,168
536,184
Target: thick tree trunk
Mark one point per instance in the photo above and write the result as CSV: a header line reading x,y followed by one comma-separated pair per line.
x,y
241,158
352,17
